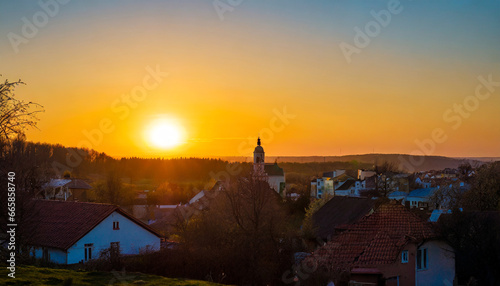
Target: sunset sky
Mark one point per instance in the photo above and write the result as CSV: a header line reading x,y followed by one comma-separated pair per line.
x,y
230,73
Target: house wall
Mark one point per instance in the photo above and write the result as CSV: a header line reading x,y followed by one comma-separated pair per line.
x,y
416,200
131,236
440,265
314,192
274,182
328,187
55,255
405,271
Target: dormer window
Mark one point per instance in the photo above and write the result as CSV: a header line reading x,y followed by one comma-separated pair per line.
x,y
116,225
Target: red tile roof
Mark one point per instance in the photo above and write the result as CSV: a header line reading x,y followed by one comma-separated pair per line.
x,y
375,239
60,224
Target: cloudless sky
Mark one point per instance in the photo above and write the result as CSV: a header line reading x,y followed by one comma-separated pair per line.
x,y
227,77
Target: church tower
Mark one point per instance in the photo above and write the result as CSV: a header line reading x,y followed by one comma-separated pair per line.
x,y
258,159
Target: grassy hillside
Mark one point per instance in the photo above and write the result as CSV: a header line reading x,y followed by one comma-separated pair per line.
x,y
30,275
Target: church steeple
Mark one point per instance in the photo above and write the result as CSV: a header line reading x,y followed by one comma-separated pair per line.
x,y
258,157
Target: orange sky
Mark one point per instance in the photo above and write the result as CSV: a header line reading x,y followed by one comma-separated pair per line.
x,y
226,79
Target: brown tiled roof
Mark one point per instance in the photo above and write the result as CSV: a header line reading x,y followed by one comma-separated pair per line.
x,y
375,239
60,224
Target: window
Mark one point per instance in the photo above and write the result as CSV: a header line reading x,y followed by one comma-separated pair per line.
x,y
422,259
116,225
88,251
404,256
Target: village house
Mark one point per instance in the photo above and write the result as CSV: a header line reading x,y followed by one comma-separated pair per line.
x,y
67,232
421,198
391,246
325,185
67,189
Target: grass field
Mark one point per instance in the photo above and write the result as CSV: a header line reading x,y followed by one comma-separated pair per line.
x,y
30,275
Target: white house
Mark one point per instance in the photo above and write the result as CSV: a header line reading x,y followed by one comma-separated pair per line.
x,y
423,183
363,174
72,232
350,188
420,198
325,185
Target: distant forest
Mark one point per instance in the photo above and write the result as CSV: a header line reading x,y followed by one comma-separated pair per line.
x,y
85,163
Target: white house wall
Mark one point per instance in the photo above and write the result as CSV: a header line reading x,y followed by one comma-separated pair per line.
x,y
131,236
55,255
441,265
274,182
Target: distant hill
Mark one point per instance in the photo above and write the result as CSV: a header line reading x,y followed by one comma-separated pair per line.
x,y
406,162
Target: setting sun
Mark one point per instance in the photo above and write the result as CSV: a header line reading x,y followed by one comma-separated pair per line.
x,y
164,134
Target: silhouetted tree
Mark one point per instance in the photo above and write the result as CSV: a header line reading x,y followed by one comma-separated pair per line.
x,y
465,172
113,191
15,115
475,237
242,234
385,174
484,194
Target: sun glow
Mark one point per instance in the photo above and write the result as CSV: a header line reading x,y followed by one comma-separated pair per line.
x,y
165,134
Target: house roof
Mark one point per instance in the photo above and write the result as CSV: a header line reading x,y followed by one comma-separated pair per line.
x,y
78,184
273,170
328,174
397,194
374,240
346,185
60,224
339,212
422,193
343,177
70,183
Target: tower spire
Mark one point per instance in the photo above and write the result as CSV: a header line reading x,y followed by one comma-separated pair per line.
x,y
258,141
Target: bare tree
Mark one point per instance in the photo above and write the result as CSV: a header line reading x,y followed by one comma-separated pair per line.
x,y
15,115
385,173
27,174
241,234
484,194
